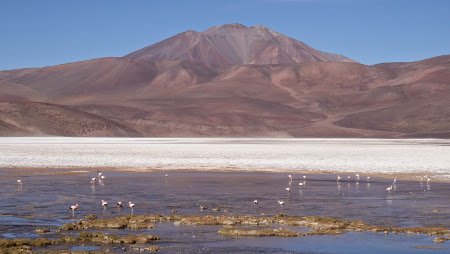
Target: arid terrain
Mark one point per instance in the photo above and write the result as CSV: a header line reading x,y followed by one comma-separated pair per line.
x,y
229,80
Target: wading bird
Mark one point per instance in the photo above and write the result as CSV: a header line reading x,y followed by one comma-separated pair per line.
x,y
131,205
338,178
119,204
288,189
104,203
93,179
280,202
255,201
73,207
389,188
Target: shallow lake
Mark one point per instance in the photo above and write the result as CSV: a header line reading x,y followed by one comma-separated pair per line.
x,y
44,196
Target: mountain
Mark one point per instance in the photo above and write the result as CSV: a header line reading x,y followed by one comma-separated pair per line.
x,y
234,44
223,82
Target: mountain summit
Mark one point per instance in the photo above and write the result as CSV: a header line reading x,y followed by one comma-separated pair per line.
x,y
234,44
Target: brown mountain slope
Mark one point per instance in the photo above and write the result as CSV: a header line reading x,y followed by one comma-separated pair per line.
x,y
87,78
317,99
46,119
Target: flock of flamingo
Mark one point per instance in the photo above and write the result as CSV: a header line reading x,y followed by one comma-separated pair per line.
x,y
103,203
131,205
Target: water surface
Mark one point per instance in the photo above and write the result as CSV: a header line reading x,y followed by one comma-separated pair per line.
x,y
44,196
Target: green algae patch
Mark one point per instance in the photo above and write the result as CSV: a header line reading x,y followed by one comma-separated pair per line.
x,y
23,246
152,248
97,238
42,230
442,239
100,238
257,232
26,241
25,249
120,222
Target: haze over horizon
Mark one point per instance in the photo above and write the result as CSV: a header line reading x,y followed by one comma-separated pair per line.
x,y
52,32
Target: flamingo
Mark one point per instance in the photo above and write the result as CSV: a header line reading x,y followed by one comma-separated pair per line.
x,y
255,201
348,178
301,184
368,179
357,177
166,175
93,179
19,181
304,177
102,177
338,178
73,207
290,177
288,189
131,205
104,203
119,204
389,188
280,202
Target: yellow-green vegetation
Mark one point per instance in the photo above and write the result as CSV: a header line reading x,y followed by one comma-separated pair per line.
x,y
42,230
25,245
442,239
100,238
257,232
120,222
318,225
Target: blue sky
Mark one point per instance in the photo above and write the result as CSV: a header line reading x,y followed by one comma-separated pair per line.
x,y
49,32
